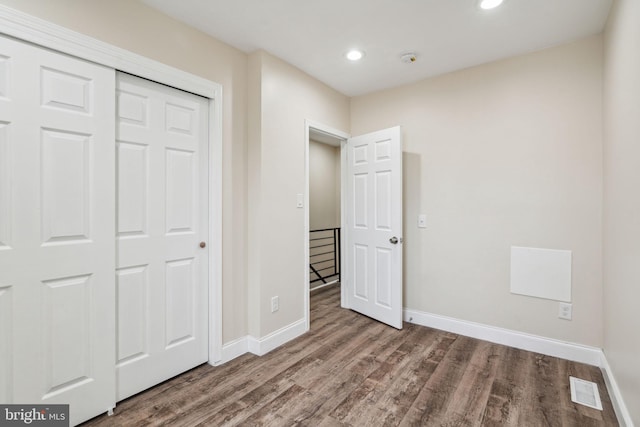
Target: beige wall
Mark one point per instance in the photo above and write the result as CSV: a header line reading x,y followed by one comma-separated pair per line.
x,y
283,97
133,26
622,200
508,153
324,186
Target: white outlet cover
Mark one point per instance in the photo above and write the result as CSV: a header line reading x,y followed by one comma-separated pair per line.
x,y
565,311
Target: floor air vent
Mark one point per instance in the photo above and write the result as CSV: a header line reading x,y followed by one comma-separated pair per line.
x,y
585,393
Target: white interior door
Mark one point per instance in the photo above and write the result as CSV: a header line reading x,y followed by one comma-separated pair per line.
x,y
57,193
162,194
374,226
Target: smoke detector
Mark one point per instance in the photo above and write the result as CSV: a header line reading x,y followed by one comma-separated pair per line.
x,y
409,57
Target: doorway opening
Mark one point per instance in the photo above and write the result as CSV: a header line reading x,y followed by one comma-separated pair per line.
x,y
323,209
370,222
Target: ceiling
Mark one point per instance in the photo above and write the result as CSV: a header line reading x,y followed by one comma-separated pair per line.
x,y
446,35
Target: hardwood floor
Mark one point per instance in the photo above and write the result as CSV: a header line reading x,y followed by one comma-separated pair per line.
x,y
350,370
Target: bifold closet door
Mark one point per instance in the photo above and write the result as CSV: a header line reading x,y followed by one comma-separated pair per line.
x,y
57,196
162,229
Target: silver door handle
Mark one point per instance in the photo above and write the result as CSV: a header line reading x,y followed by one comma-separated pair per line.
x,y
394,240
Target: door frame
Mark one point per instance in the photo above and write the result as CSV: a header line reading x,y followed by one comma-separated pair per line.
x,y
343,137
43,33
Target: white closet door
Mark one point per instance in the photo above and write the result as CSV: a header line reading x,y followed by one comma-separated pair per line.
x,y
162,269
57,192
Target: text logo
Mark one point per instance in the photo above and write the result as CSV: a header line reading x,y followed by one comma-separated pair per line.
x,y
34,415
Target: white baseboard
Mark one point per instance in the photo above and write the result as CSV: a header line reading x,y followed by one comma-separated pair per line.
x,y
550,347
264,345
624,417
233,349
261,346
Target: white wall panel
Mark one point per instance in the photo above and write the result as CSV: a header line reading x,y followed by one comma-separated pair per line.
x,y
6,357
132,108
383,150
383,277
542,273
361,270
360,155
5,64
360,203
132,317
66,327
63,90
180,191
180,282
181,119
5,186
66,186
383,200
133,185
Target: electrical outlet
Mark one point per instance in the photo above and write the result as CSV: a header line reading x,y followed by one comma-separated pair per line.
x,y
275,304
565,311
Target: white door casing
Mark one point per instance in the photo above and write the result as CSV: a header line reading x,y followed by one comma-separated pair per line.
x,y
57,183
162,206
374,221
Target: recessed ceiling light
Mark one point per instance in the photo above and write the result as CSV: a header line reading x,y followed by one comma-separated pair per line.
x,y
490,4
354,55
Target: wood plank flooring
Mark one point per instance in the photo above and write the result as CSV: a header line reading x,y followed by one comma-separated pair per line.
x,y
350,370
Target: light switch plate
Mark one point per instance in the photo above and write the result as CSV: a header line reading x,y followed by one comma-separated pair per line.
x,y
422,221
299,200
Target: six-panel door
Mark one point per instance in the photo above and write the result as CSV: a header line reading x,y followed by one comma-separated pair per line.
x,y
57,192
162,206
374,223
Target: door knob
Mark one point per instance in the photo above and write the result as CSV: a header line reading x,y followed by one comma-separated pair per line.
x,y
394,240
203,244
